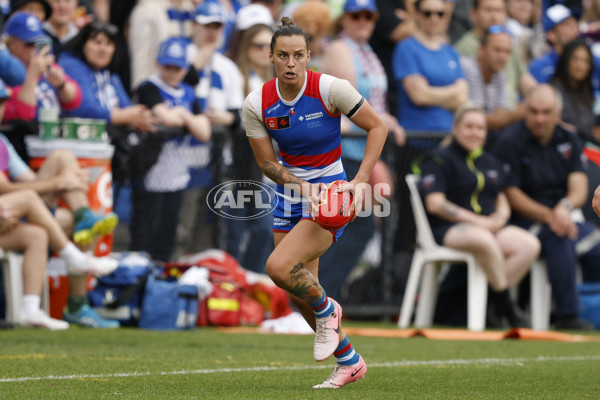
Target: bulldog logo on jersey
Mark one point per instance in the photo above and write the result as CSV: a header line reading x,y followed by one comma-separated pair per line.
x,y
278,122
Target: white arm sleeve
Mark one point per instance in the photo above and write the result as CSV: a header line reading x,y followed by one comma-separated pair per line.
x,y
252,116
344,97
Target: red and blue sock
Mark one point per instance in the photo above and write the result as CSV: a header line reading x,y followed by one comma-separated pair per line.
x,y
323,307
345,354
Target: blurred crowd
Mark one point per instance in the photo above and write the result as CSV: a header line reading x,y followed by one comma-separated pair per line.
x,y
169,78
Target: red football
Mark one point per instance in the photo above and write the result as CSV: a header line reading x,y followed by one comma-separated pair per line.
x,y
334,207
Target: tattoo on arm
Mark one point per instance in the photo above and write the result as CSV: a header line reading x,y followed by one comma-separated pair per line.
x,y
449,209
304,285
279,173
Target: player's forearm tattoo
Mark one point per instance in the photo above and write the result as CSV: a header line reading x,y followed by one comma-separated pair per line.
x,y
449,209
304,285
280,174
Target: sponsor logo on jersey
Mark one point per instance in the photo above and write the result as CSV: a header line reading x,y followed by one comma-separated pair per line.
x,y
316,115
278,122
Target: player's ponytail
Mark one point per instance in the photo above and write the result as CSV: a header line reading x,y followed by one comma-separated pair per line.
x,y
288,28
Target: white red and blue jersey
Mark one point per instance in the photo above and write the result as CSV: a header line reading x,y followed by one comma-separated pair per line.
x,y
307,132
308,135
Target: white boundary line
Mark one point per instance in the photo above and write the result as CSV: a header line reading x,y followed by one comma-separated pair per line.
x,y
405,363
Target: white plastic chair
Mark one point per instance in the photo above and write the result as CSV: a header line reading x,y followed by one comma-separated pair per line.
x,y
541,296
12,273
429,257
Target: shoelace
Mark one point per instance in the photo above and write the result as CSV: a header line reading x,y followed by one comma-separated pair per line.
x,y
321,334
334,373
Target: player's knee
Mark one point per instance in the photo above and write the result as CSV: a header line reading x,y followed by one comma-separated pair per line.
x,y
276,269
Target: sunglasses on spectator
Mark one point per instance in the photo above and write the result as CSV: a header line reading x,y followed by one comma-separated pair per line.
x,y
109,29
495,29
261,46
428,13
366,15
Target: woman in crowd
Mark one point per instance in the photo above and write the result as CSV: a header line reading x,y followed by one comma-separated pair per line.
x,y
351,57
431,86
524,24
573,79
313,16
431,82
89,59
253,57
468,210
247,240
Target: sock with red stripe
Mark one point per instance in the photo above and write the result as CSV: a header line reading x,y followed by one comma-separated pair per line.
x,y
323,307
345,354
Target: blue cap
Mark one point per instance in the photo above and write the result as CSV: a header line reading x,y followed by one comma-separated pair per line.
x,y
555,15
354,6
172,52
3,90
209,12
24,26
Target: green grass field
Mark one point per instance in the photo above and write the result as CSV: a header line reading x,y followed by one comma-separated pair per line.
x,y
205,363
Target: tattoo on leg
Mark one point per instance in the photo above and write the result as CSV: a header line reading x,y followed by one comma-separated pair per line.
x,y
304,285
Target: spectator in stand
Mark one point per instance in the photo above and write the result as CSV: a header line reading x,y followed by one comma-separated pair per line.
x,y
484,14
351,57
40,231
218,85
40,8
573,79
596,201
313,17
60,25
431,86
525,25
547,181
219,82
468,211
34,240
151,22
561,28
263,12
61,178
247,240
429,94
89,59
393,25
230,9
12,70
486,76
46,84
157,196
253,58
